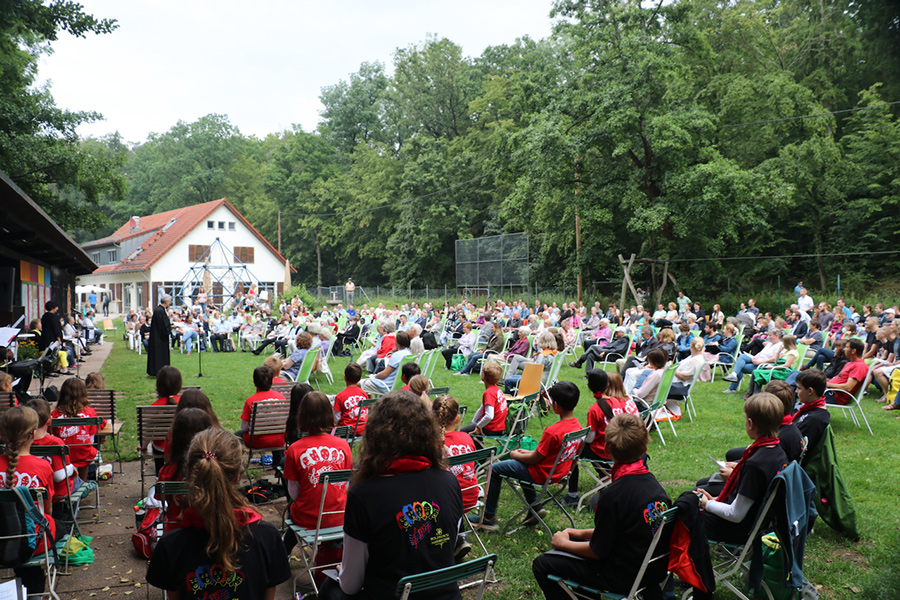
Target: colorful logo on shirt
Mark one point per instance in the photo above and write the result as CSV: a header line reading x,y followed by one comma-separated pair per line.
x,y
653,513
418,520
212,582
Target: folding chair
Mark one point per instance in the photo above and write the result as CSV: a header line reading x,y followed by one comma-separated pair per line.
x,y
530,383
153,423
568,452
576,590
62,423
306,366
611,357
439,391
104,404
267,417
326,358
8,399
73,500
398,383
422,582
723,357
312,539
169,491
30,503
600,471
553,375
517,419
484,457
283,388
431,361
854,399
732,559
658,406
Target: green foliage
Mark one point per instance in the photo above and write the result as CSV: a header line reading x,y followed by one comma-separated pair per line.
x,y
300,291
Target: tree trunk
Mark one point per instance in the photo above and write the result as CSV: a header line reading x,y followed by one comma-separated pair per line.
x,y
820,260
318,261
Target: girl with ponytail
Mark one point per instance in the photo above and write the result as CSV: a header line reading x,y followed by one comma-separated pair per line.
x,y
223,549
73,402
601,412
19,468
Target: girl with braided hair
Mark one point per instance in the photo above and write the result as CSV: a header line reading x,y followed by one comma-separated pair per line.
x,y
223,549
18,467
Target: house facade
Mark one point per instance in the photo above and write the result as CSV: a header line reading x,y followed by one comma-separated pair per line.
x,y
209,245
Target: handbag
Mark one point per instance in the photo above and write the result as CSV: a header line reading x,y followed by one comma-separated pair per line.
x,y
457,362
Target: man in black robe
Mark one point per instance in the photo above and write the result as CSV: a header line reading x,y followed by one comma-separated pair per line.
x,y
158,348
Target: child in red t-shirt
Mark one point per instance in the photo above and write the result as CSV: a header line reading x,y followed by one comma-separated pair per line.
x,y
168,386
19,468
187,424
63,471
599,415
346,403
535,465
490,418
73,402
262,379
306,459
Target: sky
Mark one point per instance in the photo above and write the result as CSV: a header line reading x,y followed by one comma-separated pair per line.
x,y
263,64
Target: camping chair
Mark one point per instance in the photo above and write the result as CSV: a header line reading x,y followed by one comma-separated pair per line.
x,y
311,539
658,407
63,422
153,423
530,382
398,383
576,590
568,452
306,366
483,457
422,582
30,504
327,373
517,419
611,357
267,417
104,404
431,360
722,359
854,399
732,559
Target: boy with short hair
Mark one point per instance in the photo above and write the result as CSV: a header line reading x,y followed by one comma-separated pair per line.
x,y
788,433
407,372
535,465
612,552
729,517
346,403
811,417
490,418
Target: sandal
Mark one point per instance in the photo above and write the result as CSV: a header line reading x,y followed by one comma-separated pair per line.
x,y
891,407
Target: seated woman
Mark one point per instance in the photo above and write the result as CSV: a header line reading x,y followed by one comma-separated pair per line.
x,y
656,364
683,341
465,346
392,526
747,364
666,339
547,350
787,361
601,335
494,346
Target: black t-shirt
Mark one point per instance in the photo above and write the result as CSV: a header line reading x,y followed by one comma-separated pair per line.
x,y
624,527
812,424
409,522
791,441
180,564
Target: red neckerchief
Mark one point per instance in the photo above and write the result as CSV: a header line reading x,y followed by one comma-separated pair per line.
x,y
622,469
244,516
406,464
820,403
732,480
787,420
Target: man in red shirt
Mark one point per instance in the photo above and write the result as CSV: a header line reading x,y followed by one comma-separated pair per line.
x,y
851,377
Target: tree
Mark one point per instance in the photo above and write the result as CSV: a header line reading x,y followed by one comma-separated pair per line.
x,y
354,110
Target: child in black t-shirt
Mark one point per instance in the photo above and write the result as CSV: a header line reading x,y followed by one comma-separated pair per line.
x,y
610,555
730,516
812,417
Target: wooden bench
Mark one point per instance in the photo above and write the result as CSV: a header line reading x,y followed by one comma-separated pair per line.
x,y
153,423
104,404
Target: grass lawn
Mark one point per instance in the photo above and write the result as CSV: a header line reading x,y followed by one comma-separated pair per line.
x,y
842,569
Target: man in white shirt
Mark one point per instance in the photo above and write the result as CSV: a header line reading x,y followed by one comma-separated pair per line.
x,y
805,302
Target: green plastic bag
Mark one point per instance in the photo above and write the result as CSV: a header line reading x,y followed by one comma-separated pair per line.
x,y
457,362
77,551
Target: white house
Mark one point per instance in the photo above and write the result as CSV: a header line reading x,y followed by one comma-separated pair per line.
x,y
208,245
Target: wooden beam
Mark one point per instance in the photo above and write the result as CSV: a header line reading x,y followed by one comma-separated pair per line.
x,y
627,269
662,288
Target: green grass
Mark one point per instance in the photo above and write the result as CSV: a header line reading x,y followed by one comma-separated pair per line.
x,y
868,463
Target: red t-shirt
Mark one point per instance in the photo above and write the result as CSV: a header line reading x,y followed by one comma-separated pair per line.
x,y
493,396
456,443
80,439
346,404
857,369
270,440
33,472
549,447
57,464
597,421
278,380
388,343
306,459
162,445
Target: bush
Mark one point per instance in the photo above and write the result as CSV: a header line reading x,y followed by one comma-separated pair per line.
x,y
300,290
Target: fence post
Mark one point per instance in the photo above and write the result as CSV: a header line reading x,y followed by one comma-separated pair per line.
x,y
426,291
393,293
779,294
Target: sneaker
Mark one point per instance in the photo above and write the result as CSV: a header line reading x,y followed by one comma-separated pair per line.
x,y
532,520
571,500
462,548
483,523
460,373
730,377
729,391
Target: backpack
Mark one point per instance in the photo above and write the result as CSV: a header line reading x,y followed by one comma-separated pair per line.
x,y
429,341
144,539
262,491
14,522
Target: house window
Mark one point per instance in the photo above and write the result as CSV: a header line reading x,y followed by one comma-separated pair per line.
x,y
222,225
113,256
230,225
244,254
95,256
210,224
196,252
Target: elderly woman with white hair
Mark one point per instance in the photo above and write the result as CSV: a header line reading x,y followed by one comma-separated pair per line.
x,y
547,350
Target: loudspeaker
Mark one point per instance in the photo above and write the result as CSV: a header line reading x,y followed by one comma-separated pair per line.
x,y
7,288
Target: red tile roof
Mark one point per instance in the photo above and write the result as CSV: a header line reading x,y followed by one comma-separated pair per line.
x,y
159,242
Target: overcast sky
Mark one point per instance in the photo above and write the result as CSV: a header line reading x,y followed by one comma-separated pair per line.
x,y
262,63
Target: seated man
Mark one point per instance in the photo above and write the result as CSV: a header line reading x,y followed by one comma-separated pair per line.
x,y
851,377
617,346
609,556
383,381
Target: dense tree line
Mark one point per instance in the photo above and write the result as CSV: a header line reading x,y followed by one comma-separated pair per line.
x,y
682,130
